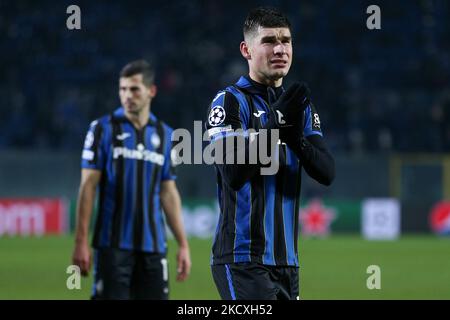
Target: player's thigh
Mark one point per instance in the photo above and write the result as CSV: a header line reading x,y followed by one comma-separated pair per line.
x,y
151,277
113,270
222,280
246,281
286,280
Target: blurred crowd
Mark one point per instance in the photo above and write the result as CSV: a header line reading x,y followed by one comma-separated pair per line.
x,y
375,90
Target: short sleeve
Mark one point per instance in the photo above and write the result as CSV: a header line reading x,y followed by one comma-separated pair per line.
x,y
224,117
93,156
169,167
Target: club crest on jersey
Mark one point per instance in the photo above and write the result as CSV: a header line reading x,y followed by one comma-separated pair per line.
x,y
155,140
216,116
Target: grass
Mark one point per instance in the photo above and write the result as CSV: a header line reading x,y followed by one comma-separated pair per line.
x,y
415,267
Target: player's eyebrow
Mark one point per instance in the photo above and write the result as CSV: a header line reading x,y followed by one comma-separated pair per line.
x,y
268,39
272,39
130,87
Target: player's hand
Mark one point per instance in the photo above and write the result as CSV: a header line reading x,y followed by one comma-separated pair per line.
x,y
183,263
293,134
291,104
82,258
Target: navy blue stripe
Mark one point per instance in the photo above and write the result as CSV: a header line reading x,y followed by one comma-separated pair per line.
x,y
242,240
147,243
158,215
289,211
138,224
279,236
269,191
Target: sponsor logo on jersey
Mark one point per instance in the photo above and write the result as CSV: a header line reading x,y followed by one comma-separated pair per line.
x,y
259,113
123,136
140,153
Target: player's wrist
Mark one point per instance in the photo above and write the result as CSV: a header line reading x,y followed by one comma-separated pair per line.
x,y
183,245
81,241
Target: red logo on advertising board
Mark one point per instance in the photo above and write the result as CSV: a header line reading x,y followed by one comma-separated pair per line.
x,y
440,218
316,219
32,216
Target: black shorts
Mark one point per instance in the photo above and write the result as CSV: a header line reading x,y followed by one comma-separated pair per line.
x,y
124,274
253,281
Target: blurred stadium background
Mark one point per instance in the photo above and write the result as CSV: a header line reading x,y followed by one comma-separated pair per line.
x,y
383,97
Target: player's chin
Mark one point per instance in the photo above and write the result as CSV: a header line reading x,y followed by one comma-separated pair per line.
x,y
131,108
277,74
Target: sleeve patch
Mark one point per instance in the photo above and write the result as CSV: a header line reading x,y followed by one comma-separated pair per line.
x,y
88,155
216,116
316,121
214,131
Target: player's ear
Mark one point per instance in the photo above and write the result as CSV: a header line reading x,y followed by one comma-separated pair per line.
x,y
245,50
152,90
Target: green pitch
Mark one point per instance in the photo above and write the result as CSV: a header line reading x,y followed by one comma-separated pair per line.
x,y
415,267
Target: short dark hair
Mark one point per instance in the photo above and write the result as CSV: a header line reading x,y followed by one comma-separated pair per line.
x,y
266,17
139,67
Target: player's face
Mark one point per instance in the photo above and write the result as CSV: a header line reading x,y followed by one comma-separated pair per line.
x,y
270,53
135,96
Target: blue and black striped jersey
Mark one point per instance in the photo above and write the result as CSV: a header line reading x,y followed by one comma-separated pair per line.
x,y
259,222
133,164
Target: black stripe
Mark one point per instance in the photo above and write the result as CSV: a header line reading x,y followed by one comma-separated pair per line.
x,y
279,246
248,98
154,180
98,131
217,248
116,228
226,237
138,223
231,211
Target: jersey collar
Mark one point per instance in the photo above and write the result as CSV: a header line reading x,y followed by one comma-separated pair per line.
x,y
245,83
119,114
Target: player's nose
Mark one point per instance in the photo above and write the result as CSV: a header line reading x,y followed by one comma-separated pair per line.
x,y
128,94
279,48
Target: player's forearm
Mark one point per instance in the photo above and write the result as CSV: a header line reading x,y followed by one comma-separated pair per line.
x,y
316,159
171,204
236,174
85,205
